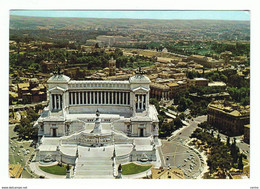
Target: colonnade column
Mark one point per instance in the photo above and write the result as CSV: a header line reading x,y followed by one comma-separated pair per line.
x,y
71,98
115,98
55,102
51,101
127,96
98,95
83,98
142,102
119,99
112,98
94,97
123,101
105,97
108,98
90,97
138,102
101,98
59,102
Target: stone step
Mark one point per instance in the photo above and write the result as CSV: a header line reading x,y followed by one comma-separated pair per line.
x,y
94,163
94,158
94,177
89,167
93,172
99,165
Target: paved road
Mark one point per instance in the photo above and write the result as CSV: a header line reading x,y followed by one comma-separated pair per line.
x,y
175,153
17,154
188,130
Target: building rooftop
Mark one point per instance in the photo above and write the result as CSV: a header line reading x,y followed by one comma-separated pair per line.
x,y
217,84
23,85
197,56
230,108
171,84
200,79
58,78
15,170
139,79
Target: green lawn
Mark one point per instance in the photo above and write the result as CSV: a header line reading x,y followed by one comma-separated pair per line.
x,y
132,168
55,169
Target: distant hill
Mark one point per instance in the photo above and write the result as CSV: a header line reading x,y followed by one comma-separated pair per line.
x,y
46,23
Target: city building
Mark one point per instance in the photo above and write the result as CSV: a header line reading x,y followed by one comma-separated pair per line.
x,y
89,121
198,59
198,82
74,72
247,133
111,40
228,117
160,91
15,170
47,66
203,60
32,91
217,84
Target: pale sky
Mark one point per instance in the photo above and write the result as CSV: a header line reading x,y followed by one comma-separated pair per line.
x,y
150,14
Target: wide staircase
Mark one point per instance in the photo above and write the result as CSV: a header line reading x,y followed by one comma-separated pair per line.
x,y
94,163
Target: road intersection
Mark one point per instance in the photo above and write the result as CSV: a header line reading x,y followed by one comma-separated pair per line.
x,y
175,153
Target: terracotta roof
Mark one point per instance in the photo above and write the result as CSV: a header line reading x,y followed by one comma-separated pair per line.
x,y
22,85
172,84
15,170
197,56
36,89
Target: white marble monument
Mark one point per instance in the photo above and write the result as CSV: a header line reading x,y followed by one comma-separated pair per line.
x,y
88,122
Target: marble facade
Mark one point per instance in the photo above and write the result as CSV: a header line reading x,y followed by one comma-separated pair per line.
x,y
88,120
73,104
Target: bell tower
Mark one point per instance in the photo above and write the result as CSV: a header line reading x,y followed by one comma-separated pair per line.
x,y
112,67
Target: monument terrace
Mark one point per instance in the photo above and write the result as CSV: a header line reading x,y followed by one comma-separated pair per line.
x,y
88,121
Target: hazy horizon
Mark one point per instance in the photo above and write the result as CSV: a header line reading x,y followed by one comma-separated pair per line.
x,y
137,14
